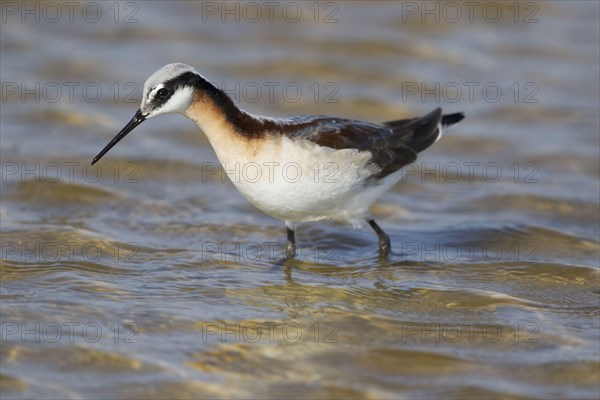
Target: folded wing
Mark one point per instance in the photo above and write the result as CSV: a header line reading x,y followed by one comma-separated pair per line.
x,y
392,144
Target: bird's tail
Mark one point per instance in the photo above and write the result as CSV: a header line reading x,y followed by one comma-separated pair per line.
x,y
452,119
447,121
420,133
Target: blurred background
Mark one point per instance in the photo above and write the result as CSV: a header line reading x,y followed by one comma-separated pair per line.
x,y
150,276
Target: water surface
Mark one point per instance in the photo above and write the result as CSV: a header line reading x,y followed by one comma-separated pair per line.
x,y
150,276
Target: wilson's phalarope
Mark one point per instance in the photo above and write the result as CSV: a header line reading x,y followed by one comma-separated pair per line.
x,y
340,168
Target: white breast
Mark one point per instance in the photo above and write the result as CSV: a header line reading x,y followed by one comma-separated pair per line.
x,y
300,181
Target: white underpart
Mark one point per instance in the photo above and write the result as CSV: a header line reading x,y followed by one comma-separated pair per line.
x,y
299,181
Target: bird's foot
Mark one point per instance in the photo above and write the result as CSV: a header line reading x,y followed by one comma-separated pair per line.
x,y
290,250
384,247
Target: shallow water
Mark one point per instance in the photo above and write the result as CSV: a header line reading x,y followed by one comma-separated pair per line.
x,y
150,276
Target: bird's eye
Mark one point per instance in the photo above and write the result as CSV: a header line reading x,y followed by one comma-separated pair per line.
x,y
163,93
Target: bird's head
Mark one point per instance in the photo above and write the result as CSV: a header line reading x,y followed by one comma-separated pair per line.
x,y
168,90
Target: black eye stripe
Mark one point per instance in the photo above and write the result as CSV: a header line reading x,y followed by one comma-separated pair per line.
x,y
162,95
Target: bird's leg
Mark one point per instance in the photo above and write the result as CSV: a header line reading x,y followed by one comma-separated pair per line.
x,y
290,249
384,239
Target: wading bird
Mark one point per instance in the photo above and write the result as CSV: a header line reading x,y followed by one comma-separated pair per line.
x,y
341,166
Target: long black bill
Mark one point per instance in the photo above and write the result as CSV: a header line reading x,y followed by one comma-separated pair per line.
x,y
137,119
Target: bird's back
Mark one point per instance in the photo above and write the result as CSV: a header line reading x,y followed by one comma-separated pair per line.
x,y
392,144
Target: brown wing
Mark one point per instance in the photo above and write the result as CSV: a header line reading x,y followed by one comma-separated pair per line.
x,y
393,144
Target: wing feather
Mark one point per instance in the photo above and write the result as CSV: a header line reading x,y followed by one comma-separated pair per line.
x,y
392,144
